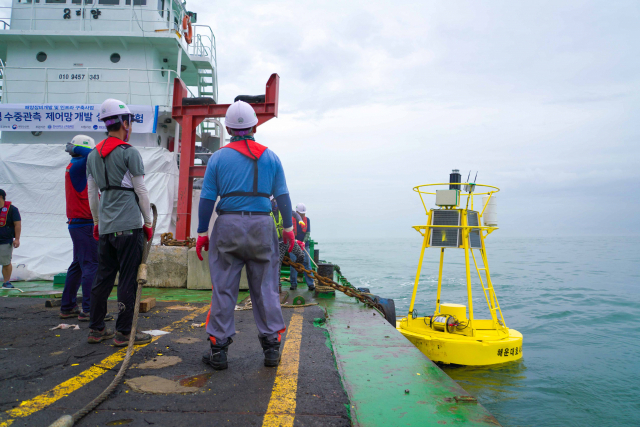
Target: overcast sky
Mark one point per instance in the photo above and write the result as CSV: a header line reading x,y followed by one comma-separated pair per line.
x,y
379,96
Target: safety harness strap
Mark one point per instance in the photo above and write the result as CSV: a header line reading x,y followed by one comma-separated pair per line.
x,y
106,177
255,192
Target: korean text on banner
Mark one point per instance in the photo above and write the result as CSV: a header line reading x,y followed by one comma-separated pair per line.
x,y
68,117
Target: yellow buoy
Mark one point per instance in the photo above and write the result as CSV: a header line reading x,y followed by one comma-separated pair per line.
x,y
452,334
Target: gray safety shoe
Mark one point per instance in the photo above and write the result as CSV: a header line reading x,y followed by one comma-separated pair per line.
x,y
67,314
85,317
96,336
122,340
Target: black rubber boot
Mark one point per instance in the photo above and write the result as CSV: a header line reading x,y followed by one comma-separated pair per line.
x,y
216,356
271,350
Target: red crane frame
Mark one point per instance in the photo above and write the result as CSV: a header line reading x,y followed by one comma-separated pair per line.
x,y
189,117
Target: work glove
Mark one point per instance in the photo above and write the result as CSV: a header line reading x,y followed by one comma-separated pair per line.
x,y
203,242
303,226
289,239
69,148
96,232
301,244
148,231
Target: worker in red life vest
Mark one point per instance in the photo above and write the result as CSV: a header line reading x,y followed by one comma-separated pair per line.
x,y
10,229
284,248
243,174
85,249
302,230
115,167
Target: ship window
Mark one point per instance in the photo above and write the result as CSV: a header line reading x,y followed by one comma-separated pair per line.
x,y
41,56
55,1
115,57
161,7
109,2
137,2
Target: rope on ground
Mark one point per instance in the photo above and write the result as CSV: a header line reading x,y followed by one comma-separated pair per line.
x,y
68,421
247,305
298,306
166,239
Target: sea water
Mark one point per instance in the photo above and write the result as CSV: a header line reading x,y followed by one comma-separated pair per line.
x,y
575,300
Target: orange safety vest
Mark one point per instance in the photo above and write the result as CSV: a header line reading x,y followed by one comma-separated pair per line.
x,y
4,212
304,227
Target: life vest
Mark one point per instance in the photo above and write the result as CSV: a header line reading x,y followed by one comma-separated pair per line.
x,y
105,148
4,212
303,226
77,199
252,150
278,223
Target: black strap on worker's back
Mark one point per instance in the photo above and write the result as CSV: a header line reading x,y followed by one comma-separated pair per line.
x,y
255,192
106,176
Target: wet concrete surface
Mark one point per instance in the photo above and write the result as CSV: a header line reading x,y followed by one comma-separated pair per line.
x,y
34,360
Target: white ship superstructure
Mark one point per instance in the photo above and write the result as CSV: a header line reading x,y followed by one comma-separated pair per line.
x,y
70,55
59,60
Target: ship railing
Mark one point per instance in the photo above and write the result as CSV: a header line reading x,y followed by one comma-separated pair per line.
x,y
90,85
132,17
204,42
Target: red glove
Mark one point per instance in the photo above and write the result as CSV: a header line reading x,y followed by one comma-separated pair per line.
x,y
148,231
289,239
203,242
301,244
96,233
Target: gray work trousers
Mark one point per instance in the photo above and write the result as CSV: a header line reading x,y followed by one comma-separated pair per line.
x,y
251,241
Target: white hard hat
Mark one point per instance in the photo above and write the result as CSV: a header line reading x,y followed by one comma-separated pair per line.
x,y
83,141
240,115
301,208
112,107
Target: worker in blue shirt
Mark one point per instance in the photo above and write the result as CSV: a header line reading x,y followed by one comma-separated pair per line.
x,y
244,174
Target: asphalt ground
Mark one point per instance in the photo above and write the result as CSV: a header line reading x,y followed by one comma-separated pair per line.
x,y
35,360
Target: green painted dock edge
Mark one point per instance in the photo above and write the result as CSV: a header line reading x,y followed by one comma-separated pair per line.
x,y
378,365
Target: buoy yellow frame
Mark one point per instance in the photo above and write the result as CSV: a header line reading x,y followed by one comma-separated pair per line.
x,y
482,342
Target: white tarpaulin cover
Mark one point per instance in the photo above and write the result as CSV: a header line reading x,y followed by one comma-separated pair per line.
x,y
68,117
33,177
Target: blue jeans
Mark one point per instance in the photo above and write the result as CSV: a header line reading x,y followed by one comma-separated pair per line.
x,y
82,270
294,273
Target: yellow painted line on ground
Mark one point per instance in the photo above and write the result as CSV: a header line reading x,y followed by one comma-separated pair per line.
x,y
64,389
282,406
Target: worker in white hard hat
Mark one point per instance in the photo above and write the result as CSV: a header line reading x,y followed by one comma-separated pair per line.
x,y
302,230
85,249
122,222
244,174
